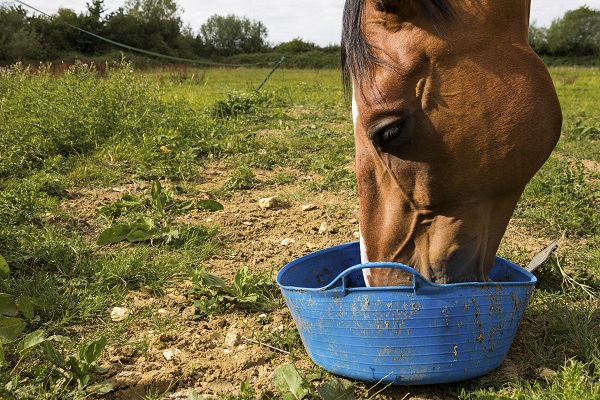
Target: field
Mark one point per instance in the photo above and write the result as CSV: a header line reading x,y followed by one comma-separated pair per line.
x,y
139,263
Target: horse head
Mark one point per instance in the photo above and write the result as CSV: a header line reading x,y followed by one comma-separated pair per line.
x,y
453,115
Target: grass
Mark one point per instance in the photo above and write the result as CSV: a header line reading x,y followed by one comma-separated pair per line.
x,y
61,134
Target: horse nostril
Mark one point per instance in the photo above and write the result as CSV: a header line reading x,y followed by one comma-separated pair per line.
x,y
394,134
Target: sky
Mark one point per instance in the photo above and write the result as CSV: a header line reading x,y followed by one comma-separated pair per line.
x,y
313,21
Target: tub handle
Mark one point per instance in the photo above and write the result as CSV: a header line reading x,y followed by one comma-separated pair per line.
x,y
420,283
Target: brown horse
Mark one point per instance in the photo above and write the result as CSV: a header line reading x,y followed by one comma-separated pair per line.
x,y
453,115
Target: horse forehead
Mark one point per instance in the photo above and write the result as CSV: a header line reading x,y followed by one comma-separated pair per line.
x,y
464,21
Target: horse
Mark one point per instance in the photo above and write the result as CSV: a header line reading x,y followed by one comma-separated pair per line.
x,y
453,115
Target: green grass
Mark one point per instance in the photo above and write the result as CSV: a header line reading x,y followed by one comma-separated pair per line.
x,y
60,134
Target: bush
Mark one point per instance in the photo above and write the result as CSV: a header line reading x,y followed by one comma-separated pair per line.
x,y
576,34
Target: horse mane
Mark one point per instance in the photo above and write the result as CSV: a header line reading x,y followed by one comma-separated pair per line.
x,y
357,54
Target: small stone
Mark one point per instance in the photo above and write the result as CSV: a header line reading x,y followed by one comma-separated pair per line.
x,y
161,311
356,234
188,313
323,228
119,313
309,207
170,353
287,241
232,339
267,202
311,246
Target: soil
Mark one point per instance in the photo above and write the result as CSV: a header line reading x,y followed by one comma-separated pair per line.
x,y
169,354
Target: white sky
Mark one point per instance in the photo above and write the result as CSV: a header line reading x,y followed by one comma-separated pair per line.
x,y
313,21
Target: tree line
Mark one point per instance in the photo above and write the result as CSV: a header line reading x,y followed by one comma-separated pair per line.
x,y
156,26
151,25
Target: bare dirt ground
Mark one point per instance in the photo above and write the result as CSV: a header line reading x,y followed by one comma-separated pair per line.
x,y
169,354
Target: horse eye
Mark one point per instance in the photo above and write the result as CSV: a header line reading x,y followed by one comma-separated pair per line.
x,y
391,135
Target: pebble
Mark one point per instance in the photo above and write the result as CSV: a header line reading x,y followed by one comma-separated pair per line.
x,y
119,313
232,339
309,207
267,202
262,316
188,313
287,241
356,234
323,228
170,353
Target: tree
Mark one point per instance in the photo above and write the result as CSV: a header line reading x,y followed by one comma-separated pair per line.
x,y
153,10
18,37
94,22
153,25
538,39
232,35
576,33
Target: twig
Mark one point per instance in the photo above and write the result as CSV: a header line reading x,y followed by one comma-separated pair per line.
x,y
571,281
264,344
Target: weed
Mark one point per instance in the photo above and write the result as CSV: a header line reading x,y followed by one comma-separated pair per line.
x,y
145,228
14,314
241,178
293,385
248,292
284,179
287,340
75,369
585,128
241,104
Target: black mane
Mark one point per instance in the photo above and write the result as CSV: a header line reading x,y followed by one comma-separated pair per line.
x,y
357,53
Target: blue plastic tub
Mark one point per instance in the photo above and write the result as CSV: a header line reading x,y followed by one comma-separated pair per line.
x,y
425,333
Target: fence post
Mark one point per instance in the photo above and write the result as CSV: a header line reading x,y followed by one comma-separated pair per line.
x,y
270,73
